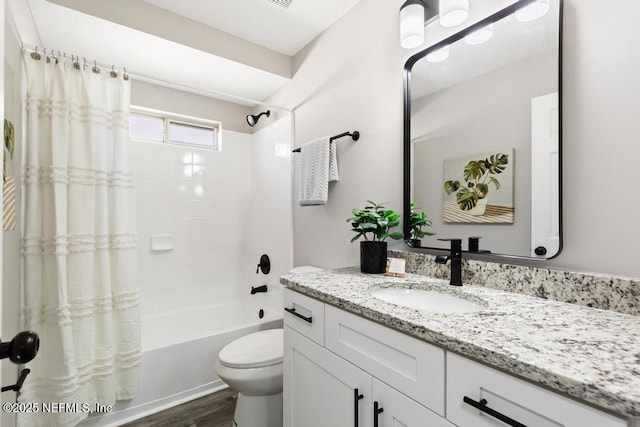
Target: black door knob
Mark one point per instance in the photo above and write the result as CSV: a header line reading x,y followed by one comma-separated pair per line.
x,y
22,348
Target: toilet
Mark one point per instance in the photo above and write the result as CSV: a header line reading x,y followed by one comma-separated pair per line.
x,y
252,366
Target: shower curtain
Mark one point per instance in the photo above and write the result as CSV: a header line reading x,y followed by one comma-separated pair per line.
x,y
79,242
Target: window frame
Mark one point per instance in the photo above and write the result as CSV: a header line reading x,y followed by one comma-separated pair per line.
x,y
179,119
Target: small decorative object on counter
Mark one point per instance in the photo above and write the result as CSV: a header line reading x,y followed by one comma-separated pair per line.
x,y
395,267
374,224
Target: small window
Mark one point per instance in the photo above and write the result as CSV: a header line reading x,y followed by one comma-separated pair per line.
x,y
180,133
159,126
147,128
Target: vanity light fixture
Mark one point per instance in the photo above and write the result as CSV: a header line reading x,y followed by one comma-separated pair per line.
x,y
438,55
480,36
453,12
533,11
413,16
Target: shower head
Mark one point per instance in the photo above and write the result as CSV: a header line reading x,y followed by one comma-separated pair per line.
x,y
252,120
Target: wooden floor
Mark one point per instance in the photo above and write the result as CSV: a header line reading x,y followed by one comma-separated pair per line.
x,y
214,410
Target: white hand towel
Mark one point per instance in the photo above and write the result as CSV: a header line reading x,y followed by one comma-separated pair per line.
x,y
318,167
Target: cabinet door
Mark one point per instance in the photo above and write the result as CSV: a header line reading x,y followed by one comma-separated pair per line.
x,y
319,387
396,410
403,362
475,390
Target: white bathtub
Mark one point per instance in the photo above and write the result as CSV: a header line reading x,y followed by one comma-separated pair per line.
x,y
179,353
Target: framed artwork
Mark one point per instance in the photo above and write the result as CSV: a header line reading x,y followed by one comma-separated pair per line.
x,y
479,188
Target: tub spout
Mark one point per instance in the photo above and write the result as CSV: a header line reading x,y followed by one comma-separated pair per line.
x,y
257,289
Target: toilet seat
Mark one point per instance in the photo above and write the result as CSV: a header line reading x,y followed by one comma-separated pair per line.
x,y
256,350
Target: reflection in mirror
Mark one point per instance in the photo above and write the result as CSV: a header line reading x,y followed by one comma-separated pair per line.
x,y
482,136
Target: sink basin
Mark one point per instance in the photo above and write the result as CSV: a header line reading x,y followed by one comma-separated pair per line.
x,y
429,300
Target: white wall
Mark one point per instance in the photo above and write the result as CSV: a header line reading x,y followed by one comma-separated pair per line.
x,y
200,198
270,229
350,78
223,208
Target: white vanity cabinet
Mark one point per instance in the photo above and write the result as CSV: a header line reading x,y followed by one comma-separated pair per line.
x,y
343,370
350,380
477,396
320,388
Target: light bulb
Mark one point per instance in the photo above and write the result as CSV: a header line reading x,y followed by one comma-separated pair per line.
x,y
438,55
411,25
533,11
480,36
453,12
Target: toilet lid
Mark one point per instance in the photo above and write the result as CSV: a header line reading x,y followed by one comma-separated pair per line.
x,y
264,348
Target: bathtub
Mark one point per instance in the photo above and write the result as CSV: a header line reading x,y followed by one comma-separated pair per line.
x,y
179,353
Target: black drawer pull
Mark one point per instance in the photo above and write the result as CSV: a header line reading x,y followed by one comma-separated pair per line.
x,y
356,398
295,313
482,405
376,411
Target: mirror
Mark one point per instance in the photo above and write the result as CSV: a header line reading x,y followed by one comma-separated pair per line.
x,y
482,136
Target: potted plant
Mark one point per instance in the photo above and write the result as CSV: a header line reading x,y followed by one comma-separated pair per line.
x,y
374,224
417,220
477,174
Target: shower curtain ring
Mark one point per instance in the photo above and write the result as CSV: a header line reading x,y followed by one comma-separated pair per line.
x,y
125,76
113,72
35,55
95,68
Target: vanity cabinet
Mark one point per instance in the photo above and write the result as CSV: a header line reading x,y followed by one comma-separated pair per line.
x,y
349,381
320,388
475,390
343,370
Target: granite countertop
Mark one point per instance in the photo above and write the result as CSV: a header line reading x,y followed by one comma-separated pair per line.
x,y
590,354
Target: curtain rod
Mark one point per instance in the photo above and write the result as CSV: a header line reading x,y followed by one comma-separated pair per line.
x,y
147,79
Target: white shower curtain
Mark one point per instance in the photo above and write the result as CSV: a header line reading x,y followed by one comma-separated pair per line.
x,y
79,242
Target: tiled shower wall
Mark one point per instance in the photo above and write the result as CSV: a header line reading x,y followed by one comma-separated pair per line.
x,y
271,225
205,201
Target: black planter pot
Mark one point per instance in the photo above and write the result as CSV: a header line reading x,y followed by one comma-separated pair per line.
x,y
373,257
416,243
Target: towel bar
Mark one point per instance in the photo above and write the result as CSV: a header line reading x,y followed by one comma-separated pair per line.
x,y
355,135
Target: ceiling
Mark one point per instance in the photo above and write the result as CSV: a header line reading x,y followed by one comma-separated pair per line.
x,y
155,58
264,22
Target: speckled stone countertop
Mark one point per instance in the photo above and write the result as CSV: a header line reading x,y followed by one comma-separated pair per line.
x,y
592,355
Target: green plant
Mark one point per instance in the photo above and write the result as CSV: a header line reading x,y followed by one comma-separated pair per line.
x,y
417,221
477,174
374,223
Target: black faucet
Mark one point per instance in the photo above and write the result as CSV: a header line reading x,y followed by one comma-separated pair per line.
x,y
257,289
456,261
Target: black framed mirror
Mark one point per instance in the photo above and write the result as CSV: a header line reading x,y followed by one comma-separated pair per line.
x,y
482,137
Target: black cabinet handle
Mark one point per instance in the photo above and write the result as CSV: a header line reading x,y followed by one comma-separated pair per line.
x,y
356,398
482,405
376,411
295,313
